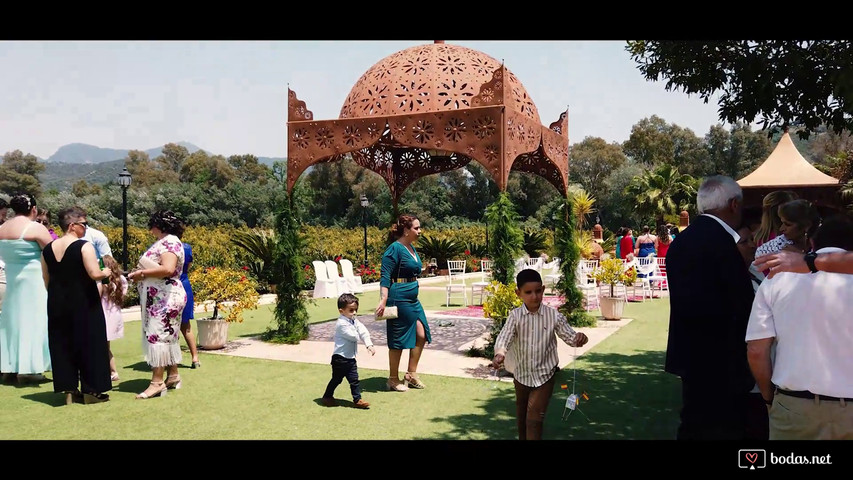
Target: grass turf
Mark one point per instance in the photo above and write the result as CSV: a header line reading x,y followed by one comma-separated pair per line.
x,y
242,398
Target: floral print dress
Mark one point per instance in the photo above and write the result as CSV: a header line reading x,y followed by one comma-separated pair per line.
x,y
162,301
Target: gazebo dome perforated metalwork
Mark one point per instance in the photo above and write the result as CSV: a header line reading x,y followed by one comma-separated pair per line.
x,y
429,109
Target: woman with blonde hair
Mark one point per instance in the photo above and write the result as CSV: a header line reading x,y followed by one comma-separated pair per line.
x,y
800,220
770,221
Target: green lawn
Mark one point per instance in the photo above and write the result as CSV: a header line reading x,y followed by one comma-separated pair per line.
x,y
241,398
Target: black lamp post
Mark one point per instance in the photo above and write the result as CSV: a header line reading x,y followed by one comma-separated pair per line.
x,y
124,180
364,204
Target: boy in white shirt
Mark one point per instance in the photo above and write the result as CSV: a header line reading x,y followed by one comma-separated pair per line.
x,y
348,330
530,334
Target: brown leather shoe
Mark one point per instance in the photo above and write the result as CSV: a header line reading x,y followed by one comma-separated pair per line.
x,y
330,402
361,404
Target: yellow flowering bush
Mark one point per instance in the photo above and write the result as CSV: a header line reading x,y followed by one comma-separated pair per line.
x,y
500,301
230,290
612,272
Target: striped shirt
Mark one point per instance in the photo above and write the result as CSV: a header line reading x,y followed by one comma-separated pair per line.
x,y
347,333
532,344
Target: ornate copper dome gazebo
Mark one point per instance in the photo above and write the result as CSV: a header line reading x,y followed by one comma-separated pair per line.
x,y
429,109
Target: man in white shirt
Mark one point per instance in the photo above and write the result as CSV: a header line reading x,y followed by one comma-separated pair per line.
x,y
99,241
808,385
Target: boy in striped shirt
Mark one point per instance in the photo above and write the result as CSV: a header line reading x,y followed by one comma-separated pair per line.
x,y
529,336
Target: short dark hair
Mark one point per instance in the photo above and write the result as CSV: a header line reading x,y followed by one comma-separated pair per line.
x,y
347,299
167,222
835,231
69,215
526,276
3,203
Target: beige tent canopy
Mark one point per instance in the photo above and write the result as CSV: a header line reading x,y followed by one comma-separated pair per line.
x,y
786,169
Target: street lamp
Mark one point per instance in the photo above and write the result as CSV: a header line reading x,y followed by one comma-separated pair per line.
x,y
364,204
124,180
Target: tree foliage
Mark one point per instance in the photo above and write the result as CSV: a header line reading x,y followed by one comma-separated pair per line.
x,y
783,82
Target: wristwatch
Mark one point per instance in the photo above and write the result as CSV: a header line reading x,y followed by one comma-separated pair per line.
x,y
809,258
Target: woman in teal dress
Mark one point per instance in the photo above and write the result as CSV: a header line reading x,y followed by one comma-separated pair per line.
x,y
398,286
24,351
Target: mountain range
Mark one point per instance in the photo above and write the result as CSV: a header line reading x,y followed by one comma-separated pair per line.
x,y
98,165
78,153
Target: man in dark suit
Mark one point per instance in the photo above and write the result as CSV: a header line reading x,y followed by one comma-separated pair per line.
x,y
710,301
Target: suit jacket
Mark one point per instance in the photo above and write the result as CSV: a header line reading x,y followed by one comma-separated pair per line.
x,y
710,301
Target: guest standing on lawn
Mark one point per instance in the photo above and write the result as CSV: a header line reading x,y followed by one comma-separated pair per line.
x,y
398,286
162,299
710,300
76,326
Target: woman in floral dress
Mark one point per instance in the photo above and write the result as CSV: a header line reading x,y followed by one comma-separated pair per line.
x,y
161,300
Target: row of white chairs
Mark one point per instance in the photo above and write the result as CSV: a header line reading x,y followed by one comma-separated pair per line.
x,y
331,283
651,267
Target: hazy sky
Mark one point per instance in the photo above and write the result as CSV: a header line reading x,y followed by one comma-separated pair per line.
x,y
231,97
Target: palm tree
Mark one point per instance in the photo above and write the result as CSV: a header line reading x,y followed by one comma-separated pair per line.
x,y
582,206
661,191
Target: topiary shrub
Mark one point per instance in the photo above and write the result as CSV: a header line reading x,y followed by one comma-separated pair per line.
x,y
505,238
291,316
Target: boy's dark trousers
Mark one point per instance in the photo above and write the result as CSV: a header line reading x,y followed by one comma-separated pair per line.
x,y
343,367
530,406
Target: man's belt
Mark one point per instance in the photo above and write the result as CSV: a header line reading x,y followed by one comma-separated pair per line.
x,y
810,395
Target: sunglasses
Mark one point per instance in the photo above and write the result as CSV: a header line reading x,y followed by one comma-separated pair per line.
x,y
85,224
44,222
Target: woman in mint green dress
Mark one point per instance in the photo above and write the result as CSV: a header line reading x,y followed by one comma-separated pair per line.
x,y
24,351
398,286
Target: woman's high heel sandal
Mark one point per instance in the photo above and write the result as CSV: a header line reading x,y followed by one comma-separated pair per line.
x,y
161,392
395,385
411,380
173,382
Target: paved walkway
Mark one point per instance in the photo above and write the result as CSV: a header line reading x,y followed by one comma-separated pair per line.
x,y
452,336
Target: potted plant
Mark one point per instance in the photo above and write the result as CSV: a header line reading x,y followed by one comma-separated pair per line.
x,y
230,292
612,272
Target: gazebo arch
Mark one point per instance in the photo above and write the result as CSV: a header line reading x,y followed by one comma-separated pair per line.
x,y
430,109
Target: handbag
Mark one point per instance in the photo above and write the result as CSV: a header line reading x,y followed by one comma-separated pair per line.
x,y
390,313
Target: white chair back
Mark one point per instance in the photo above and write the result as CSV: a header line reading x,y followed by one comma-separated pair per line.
x,y
456,280
486,270
324,287
534,263
354,282
335,276
456,268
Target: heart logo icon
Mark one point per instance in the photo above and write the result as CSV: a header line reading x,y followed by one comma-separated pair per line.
x,y
752,457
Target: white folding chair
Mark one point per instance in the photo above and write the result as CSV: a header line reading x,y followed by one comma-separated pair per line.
x,y
456,280
659,275
334,274
645,267
535,264
551,274
586,284
485,278
353,281
324,287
